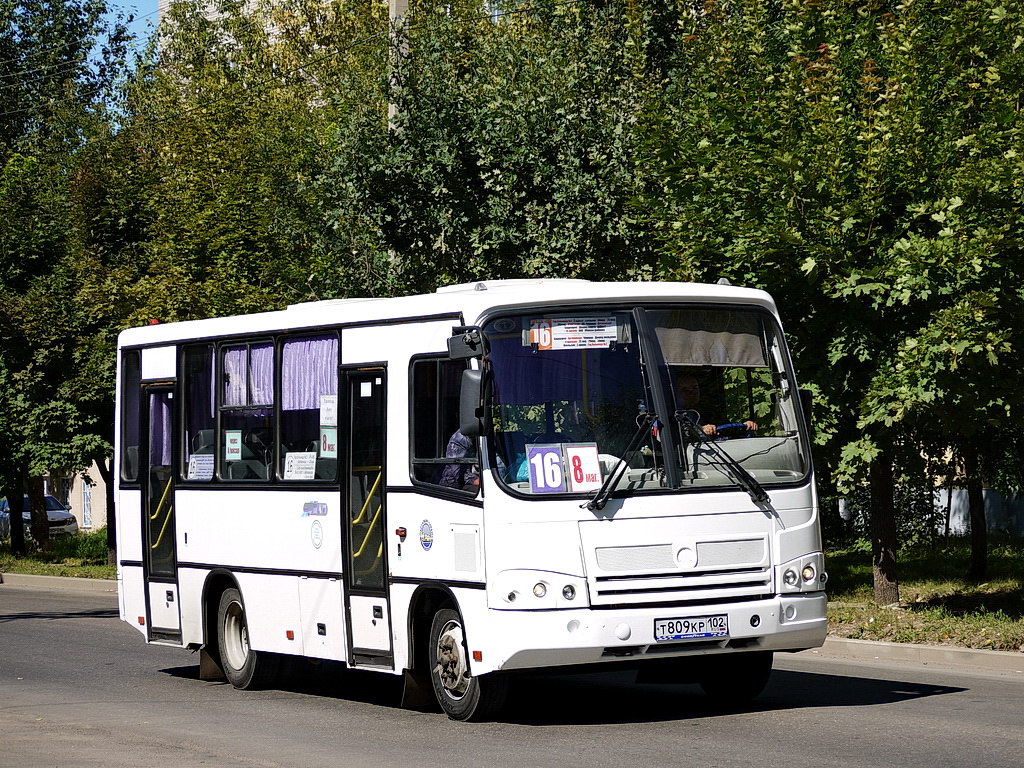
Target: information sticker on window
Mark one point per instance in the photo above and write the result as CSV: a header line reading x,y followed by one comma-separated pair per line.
x,y
545,464
300,465
328,410
583,466
200,466
232,445
329,442
573,332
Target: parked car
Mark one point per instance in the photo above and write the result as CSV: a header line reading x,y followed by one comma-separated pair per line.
x,y
61,520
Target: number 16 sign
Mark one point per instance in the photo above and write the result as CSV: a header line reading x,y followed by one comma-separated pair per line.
x,y
546,475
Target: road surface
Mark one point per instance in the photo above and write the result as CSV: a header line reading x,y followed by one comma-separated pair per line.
x,y
80,688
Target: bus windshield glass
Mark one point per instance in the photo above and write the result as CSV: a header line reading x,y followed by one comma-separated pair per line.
x,y
651,396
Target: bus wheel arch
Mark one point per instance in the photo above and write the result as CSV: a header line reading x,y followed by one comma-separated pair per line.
x,y
216,582
244,667
442,653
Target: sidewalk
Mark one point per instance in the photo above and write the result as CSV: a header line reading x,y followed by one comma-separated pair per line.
x,y
1005,662
58,583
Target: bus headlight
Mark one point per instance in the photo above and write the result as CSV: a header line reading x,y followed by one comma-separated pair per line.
x,y
803,574
549,590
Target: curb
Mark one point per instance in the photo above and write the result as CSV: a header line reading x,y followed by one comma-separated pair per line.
x,y
59,583
1006,662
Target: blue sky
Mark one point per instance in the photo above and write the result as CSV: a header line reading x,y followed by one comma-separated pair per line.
x,y
144,11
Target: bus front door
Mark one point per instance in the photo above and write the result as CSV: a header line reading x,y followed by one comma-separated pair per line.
x,y
366,556
158,515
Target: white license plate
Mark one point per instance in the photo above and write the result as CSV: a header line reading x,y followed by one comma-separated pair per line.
x,y
691,628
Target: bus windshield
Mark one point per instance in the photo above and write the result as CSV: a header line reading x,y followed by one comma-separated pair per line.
x,y
653,396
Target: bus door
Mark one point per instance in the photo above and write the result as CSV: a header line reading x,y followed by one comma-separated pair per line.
x,y
157,474
365,517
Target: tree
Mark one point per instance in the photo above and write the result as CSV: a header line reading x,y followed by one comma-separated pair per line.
x,y
818,151
53,91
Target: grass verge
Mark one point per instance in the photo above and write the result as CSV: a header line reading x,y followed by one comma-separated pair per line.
x,y
938,603
81,554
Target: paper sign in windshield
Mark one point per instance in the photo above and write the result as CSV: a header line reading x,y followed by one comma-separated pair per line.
x,y
574,332
545,463
584,467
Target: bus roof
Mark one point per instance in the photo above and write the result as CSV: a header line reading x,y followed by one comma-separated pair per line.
x,y
470,300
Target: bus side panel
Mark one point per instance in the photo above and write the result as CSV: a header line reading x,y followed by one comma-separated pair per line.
x,y
321,604
261,528
443,542
272,611
132,595
190,590
129,525
400,600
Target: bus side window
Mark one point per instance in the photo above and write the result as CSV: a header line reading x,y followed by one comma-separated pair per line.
x,y
131,378
247,411
199,418
309,408
441,455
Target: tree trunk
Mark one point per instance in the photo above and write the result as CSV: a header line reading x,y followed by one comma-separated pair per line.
x,y
976,505
15,507
883,531
40,519
107,473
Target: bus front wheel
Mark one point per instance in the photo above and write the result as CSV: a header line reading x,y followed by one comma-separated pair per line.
x,y
460,696
243,667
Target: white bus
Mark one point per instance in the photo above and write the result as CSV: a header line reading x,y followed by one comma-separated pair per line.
x,y
501,476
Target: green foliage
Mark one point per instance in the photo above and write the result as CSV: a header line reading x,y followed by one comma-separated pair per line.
x,y
860,160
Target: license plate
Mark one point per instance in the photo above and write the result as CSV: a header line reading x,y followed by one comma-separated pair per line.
x,y
691,628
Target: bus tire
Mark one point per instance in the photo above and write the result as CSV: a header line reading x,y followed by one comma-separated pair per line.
x,y
736,678
243,667
460,696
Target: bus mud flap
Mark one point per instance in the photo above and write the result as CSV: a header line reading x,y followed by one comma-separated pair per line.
x,y
209,669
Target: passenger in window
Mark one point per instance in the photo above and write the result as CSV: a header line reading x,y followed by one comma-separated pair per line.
x,y
688,396
462,475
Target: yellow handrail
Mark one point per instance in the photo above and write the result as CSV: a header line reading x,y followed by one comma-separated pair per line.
x,y
167,489
373,524
373,565
369,498
164,529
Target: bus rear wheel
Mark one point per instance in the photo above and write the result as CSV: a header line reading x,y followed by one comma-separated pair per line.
x,y
736,678
460,696
243,667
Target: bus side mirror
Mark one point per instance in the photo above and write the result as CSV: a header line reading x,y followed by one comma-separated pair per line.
x,y
807,403
465,343
471,409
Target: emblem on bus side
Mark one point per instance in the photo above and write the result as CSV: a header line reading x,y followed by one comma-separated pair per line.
x,y
317,534
314,508
426,535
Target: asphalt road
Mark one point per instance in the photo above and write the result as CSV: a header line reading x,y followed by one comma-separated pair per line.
x,y
79,688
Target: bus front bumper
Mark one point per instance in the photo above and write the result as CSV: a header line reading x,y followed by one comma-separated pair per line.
x,y
531,639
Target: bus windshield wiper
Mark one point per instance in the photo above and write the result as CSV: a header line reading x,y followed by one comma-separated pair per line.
x,y
743,478
646,421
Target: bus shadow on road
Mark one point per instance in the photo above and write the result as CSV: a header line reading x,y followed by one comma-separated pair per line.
x,y
96,613
607,698
610,698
